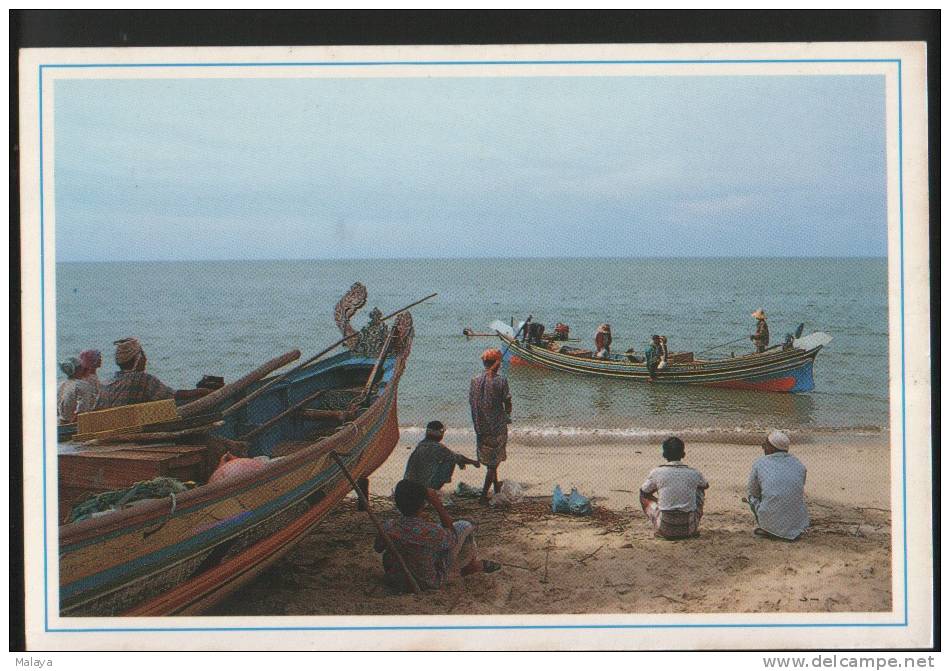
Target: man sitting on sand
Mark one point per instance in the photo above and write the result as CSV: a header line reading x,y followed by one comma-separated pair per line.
x,y
433,553
431,464
777,491
490,401
672,496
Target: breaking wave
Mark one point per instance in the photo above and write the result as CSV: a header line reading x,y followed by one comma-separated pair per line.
x,y
559,435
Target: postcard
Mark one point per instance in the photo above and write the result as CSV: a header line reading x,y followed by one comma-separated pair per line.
x,y
497,347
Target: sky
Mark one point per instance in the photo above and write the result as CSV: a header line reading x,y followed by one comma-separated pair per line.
x,y
192,169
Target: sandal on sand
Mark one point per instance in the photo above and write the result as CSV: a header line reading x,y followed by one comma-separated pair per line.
x,y
489,566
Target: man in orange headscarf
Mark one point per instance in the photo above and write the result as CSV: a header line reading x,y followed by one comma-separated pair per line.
x,y
490,401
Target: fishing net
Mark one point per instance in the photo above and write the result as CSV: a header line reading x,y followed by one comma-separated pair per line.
x,y
157,488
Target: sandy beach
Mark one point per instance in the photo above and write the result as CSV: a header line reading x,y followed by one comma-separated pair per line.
x,y
610,562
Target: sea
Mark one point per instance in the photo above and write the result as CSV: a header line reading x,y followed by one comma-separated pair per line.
x,y
226,317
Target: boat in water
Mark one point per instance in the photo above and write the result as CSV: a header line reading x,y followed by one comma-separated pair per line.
x,y
787,367
262,473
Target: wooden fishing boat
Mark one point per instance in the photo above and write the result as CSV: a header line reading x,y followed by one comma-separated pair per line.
x,y
782,368
183,553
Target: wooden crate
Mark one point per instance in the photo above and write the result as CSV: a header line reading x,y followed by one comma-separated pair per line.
x,y
97,471
125,416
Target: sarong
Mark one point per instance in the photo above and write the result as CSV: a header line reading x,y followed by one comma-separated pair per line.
x,y
672,524
491,449
464,550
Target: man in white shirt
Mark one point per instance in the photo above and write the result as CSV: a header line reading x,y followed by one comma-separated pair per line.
x,y
776,491
673,495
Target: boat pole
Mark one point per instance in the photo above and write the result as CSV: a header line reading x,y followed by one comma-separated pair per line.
x,y
260,390
379,527
731,342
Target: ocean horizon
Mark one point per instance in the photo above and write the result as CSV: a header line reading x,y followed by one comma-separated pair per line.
x,y
224,317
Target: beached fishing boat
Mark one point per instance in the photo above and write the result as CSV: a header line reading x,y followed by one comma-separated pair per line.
x,y
783,368
185,552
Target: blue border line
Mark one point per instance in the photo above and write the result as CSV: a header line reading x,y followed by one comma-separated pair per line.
x,y
900,134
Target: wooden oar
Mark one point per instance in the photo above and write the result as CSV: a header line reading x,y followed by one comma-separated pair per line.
x,y
207,402
379,527
260,390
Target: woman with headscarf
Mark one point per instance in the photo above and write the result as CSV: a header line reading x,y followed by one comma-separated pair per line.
x,y
75,394
490,401
602,340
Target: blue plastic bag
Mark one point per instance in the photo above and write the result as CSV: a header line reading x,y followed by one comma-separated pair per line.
x,y
573,504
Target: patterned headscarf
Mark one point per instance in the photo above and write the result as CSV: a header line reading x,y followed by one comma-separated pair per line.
x,y
70,366
127,349
492,359
91,359
604,328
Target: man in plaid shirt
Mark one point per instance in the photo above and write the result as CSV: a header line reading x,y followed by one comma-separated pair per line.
x,y
133,385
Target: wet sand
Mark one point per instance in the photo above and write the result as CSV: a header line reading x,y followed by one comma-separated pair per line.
x,y
610,562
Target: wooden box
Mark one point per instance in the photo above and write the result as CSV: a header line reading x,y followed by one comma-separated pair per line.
x,y
97,471
125,417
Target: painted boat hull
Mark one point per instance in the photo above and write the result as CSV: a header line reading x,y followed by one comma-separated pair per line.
x,y
168,557
776,370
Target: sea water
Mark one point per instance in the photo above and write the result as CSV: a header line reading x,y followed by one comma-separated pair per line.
x,y
227,317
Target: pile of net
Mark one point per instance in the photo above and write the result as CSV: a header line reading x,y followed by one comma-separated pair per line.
x,y
157,488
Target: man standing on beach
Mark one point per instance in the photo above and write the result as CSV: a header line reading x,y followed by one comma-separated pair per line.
x,y
776,491
673,495
490,401
431,464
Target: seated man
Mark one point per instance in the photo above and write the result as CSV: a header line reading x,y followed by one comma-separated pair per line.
x,y
132,384
672,496
432,552
431,464
777,491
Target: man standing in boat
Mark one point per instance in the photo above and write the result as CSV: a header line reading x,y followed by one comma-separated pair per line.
x,y
490,401
761,337
133,385
602,340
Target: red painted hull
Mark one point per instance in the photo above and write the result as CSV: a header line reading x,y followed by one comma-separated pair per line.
x,y
782,384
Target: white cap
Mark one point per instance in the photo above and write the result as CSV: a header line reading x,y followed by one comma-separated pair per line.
x,y
779,441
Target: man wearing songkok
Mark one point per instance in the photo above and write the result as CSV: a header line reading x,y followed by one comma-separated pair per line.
x,y
132,384
434,553
432,464
776,491
673,495
490,401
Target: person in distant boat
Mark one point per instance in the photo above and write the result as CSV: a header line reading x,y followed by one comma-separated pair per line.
x,y
434,553
432,464
656,355
673,495
776,491
761,336
75,394
602,340
132,384
490,401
